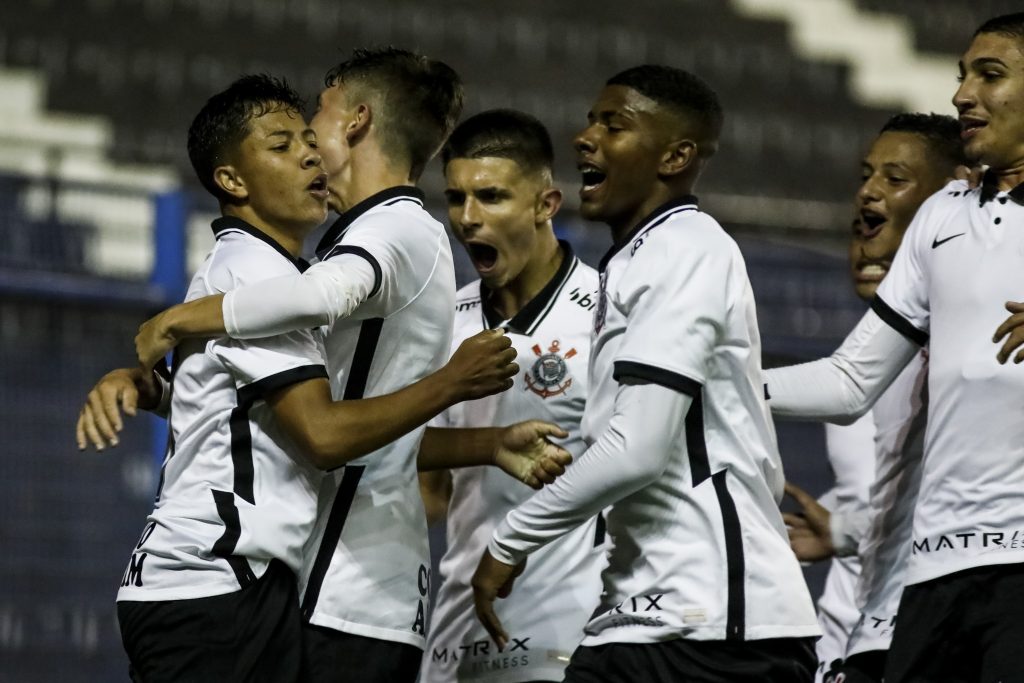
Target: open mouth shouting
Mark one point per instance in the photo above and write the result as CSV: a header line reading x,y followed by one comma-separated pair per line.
x,y
871,221
593,178
970,125
483,256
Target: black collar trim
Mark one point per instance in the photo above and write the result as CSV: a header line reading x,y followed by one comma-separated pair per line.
x,y
387,197
655,218
232,223
531,315
990,188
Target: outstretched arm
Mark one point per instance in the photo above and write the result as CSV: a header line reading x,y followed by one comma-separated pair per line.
x,y
642,436
325,293
845,385
119,391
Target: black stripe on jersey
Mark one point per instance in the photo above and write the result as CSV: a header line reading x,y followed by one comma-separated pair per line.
x,y
898,322
600,530
241,428
624,369
338,228
366,347
362,359
332,534
696,447
736,607
359,251
225,545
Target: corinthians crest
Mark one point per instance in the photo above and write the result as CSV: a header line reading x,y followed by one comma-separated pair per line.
x,y
549,374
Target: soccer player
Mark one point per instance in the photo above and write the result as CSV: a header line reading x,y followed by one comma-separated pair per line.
x,y
500,206
914,156
385,288
959,261
210,590
701,582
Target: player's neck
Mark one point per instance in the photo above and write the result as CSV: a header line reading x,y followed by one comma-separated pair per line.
x,y
289,237
511,298
661,194
1009,178
370,173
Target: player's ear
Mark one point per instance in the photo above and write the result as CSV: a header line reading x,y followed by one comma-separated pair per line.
x,y
231,183
359,125
679,155
549,201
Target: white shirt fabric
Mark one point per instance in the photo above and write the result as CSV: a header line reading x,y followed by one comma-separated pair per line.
x,y
699,547
899,416
559,589
367,569
850,451
235,492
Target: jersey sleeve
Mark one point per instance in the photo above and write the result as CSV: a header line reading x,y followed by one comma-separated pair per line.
x,y
675,305
403,256
265,365
902,298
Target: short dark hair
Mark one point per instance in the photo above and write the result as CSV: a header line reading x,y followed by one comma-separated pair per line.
x,y
678,90
504,133
224,121
942,133
421,99
1011,25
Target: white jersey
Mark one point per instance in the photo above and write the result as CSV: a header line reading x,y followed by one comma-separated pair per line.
x,y
899,416
701,553
368,564
559,589
235,492
961,259
850,454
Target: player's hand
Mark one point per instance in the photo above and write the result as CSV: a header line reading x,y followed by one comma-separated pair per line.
x,y
810,534
525,454
972,174
481,366
154,340
493,579
121,390
1013,329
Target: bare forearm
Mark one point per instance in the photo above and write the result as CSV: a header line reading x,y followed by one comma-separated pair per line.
x,y
443,449
198,318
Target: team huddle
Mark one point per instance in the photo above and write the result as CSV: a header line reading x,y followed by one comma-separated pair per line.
x,y
600,442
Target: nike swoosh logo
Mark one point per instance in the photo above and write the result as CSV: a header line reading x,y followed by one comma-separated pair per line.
x,y
936,242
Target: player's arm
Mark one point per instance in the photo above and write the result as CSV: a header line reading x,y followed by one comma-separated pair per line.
x,y
521,450
842,387
325,293
643,435
817,533
436,491
119,391
1013,330
331,433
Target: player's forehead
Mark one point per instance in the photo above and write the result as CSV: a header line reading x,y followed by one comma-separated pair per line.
x,y
901,148
994,48
621,100
469,173
277,120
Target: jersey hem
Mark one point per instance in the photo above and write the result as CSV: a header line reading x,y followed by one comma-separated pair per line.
x,y
705,633
192,593
368,631
922,575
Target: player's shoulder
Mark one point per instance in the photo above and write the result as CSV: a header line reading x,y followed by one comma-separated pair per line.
x,y
239,258
687,233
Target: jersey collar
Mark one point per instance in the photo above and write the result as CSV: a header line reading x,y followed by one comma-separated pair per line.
x,y
990,188
228,223
538,306
382,198
656,217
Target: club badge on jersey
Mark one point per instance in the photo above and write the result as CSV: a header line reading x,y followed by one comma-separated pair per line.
x,y
549,374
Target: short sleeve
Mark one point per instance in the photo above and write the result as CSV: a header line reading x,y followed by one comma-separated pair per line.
x,y
673,295
902,298
271,363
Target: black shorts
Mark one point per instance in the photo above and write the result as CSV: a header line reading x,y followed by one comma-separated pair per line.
x,y
782,660
254,634
863,667
963,628
331,656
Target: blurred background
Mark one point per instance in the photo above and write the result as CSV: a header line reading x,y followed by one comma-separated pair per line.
x,y
101,220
